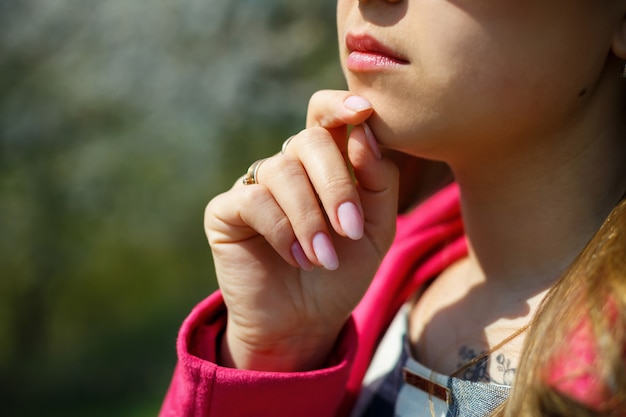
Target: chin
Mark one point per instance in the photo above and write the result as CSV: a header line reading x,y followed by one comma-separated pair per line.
x,y
404,123
406,132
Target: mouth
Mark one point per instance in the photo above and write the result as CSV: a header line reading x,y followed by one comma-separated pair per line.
x,y
366,53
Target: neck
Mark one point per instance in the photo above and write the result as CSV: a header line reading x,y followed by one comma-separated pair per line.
x,y
529,214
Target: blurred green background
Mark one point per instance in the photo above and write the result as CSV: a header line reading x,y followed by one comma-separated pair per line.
x,y
119,120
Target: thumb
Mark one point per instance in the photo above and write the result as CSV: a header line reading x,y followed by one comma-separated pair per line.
x,y
377,182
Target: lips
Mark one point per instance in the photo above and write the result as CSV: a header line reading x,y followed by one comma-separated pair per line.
x,y
366,53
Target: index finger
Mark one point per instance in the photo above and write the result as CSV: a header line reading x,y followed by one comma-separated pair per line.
x,y
334,109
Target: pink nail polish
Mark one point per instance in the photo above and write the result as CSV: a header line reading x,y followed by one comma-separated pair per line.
x,y
325,251
356,103
298,254
351,220
371,141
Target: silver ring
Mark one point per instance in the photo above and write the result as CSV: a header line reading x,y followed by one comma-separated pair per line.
x,y
285,143
250,177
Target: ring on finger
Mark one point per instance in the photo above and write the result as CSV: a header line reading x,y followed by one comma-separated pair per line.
x,y
285,143
250,177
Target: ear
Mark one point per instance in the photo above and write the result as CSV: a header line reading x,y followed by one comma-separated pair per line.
x,y
619,39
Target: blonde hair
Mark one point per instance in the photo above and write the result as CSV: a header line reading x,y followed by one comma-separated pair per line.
x,y
590,298
591,295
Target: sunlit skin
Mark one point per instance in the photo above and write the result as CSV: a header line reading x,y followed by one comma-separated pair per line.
x,y
523,100
475,68
520,107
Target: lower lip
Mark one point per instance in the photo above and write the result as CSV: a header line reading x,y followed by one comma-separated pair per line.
x,y
370,61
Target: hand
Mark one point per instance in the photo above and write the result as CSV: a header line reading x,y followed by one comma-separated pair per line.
x,y
295,252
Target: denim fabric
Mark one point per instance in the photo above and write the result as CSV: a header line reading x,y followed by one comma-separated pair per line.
x,y
475,399
389,396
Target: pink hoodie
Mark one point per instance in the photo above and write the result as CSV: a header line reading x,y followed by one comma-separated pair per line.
x,y
428,240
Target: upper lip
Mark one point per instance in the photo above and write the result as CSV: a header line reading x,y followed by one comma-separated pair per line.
x,y
368,44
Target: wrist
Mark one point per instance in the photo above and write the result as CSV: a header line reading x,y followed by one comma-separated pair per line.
x,y
295,354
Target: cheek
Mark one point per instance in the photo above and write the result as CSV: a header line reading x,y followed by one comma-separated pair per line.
x,y
343,9
444,112
435,102
482,81
409,116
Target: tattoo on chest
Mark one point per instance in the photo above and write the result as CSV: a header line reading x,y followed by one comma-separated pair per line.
x,y
480,371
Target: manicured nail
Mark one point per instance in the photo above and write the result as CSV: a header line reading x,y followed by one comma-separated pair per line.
x,y
325,251
357,103
298,254
350,220
371,141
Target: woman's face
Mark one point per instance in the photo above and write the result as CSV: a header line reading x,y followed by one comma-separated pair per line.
x,y
455,72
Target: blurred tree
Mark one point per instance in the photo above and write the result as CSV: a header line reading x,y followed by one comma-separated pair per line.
x,y
118,121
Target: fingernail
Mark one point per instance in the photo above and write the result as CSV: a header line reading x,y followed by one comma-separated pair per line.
x,y
298,254
350,220
357,103
371,141
325,251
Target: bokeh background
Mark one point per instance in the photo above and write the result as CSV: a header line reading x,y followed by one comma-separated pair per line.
x,y
119,120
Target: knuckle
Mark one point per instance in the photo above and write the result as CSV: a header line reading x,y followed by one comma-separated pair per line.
x,y
255,196
318,132
211,209
309,218
315,97
311,139
318,96
285,171
338,186
282,230
276,167
265,169
211,218
318,109
316,137
289,149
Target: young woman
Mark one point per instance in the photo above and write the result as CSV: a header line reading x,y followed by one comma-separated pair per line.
x,y
490,297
